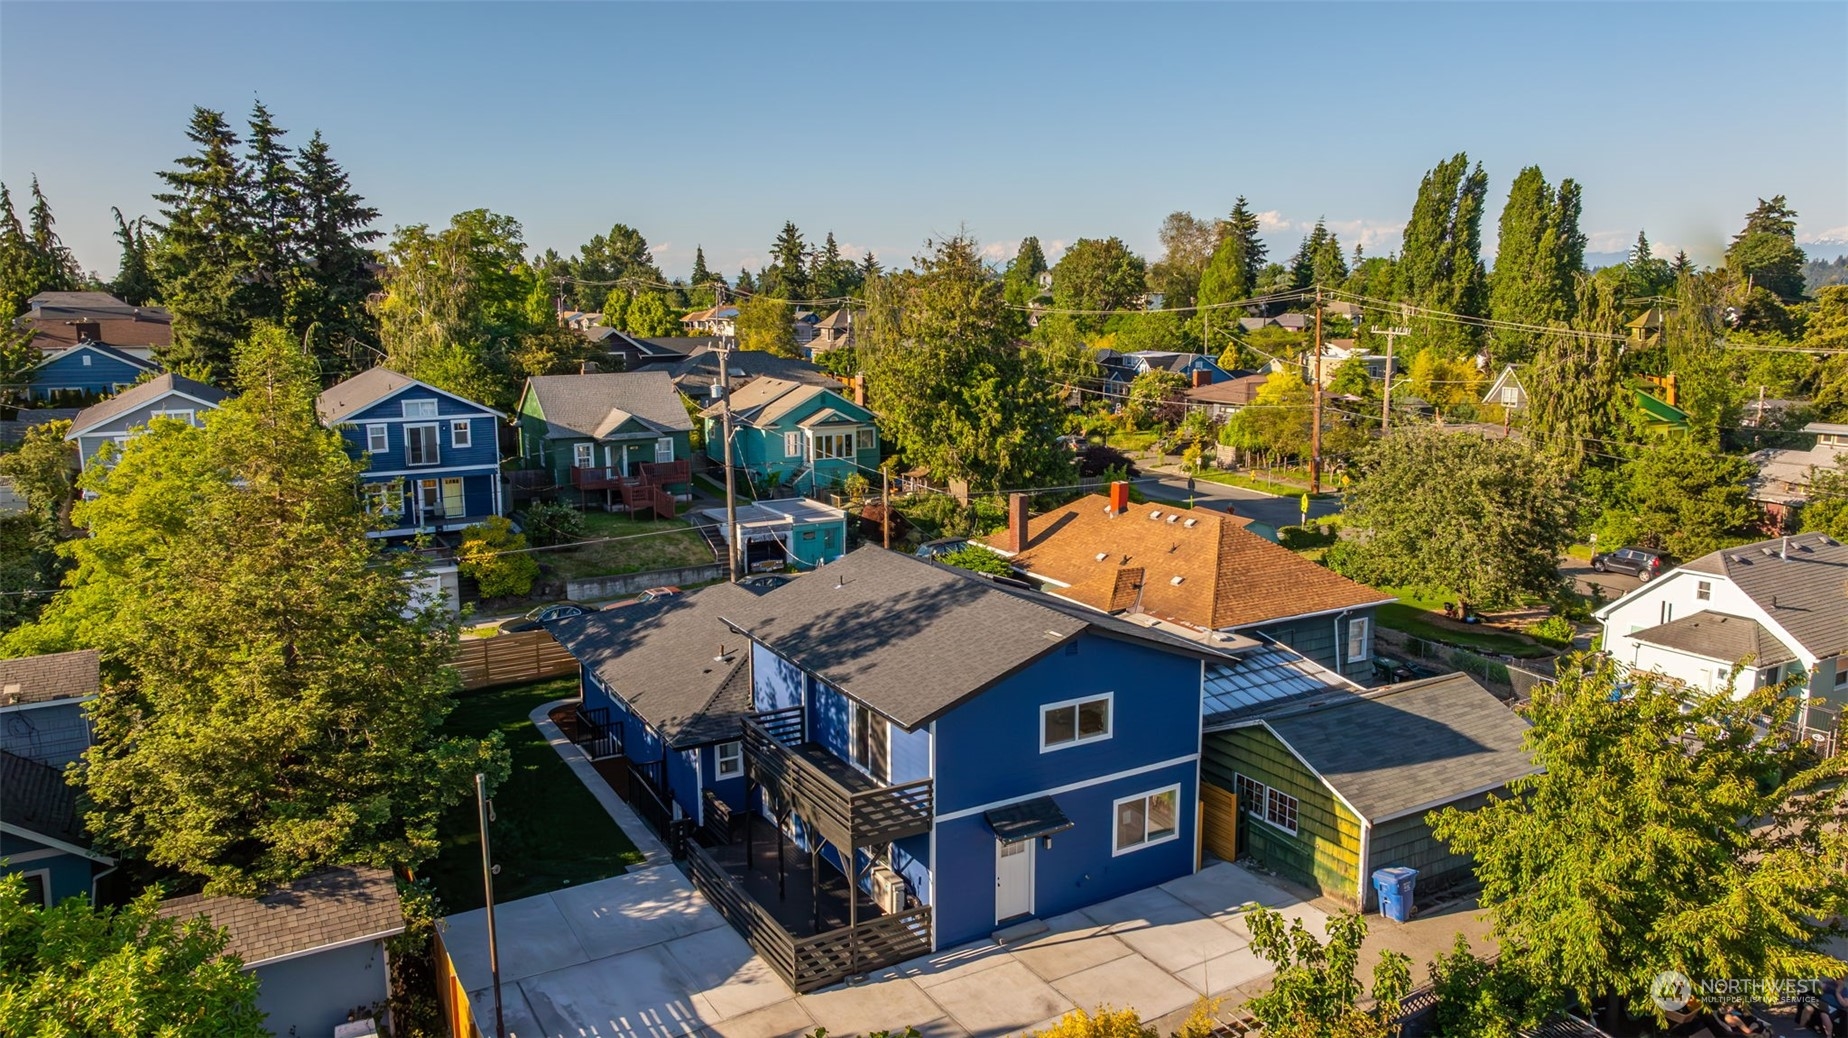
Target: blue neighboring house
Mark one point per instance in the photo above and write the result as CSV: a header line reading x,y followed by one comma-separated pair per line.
x,y
1120,369
86,371
972,755
42,730
434,456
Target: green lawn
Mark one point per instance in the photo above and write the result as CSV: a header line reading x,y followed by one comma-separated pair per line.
x,y
1129,442
658,551
716,487
1415,619
1267,486
549,831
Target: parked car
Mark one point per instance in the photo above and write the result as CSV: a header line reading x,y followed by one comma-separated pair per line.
x,y
536,619
931,550
1638,562
765,581
650,595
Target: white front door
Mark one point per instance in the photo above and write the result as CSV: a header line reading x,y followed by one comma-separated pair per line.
x,y
1013,879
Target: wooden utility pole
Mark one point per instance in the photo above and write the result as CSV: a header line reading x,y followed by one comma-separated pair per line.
x,y
885,505
1315,428
1391,334
731,477
488,869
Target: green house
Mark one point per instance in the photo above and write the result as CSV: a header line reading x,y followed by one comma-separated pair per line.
x,y
1335,785
592,431
787,434
786,534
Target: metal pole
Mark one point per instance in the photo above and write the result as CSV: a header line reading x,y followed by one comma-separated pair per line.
x,y
1315,431
731,478
487,885
885,506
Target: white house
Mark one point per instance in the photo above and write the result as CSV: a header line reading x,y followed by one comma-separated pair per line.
x,y
1507,390
1780,606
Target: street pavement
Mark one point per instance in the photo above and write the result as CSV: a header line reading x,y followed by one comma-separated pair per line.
x,y
1269,509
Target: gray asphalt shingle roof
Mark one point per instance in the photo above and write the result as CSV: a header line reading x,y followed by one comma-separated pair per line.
x,y
41,679
579,406
1806,593
367,388
142,395
1409,747
328,909
36,798
701,368
1718,636
913,640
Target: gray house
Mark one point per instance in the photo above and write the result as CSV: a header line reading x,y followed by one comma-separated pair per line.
x,y
316,946
121,416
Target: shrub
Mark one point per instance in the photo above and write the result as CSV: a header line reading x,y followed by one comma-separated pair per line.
x,y
1299,538
1104,1023
1555,630
977,559
494,556
856,487
552,522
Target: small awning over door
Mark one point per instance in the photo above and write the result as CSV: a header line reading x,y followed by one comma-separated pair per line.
x,y
1027,819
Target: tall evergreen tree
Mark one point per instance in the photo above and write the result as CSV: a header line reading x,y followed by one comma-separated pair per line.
x,y
787,276
1644,275
1318,261
1537,260
274,214
832,275
134,281
334,271
205,260
1242,224
1766,250
1440,263
746,284
58,270
869,270
18,270
619,256
1238,258
700,274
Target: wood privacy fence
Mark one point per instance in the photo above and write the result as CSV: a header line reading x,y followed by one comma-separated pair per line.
x,y
1219,822
512,659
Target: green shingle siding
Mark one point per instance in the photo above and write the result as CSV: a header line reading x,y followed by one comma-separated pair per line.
x,y
1325,852
1409,841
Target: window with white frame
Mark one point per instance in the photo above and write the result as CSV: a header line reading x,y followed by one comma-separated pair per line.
x,y
378,438
792,445
1280,811
1250,794
461,433
382,498
180,415
1703,590
664,450
863,440
1075,722
731,759
1147,819
1358,646
86,360
420,409
583,455
834,445
420,445
38,883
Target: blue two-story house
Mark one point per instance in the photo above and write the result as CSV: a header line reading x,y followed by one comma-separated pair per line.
x,y
86,371
939,756
433,457
793,434
43,729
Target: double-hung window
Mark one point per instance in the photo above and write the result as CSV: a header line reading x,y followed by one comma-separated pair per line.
x,y
461,433
834,445
863,440
583,455
382,498
792,445
1358,647
378,438
1147,819
664,450
1075,721
420,445
1703,590
731,759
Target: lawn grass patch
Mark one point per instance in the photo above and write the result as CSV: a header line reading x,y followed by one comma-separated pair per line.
x,y
1258,483
1135,440
1412,619
659,549
549,832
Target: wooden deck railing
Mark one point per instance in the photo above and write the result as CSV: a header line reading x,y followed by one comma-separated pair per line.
x,y
809,963
847,818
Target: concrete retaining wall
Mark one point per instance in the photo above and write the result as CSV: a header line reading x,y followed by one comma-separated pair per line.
x,y
631,583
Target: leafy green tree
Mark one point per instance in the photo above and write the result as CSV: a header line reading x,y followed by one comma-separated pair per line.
x,y
787,275
134,280
745,284
43,469
1827,507
1156,394
1315,993
30,565
1161,330
1352,377
767,323
1456,512
977,559
1440,261
1020,285
333,275
118,972
1643,274
1279,420
833,275
32,258
272,701
204,263
1097,274
1576,395
1450,385
1664,831
1187,244
1482,998
1691,338
1766,250
495,556
622,255
1538,259
1827,329
953,389
650,316
1688,498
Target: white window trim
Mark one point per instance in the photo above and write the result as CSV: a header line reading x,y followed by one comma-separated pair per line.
x,y
735,757
466,429
584,455
404,408
184,414
1703,590
1179,817
378,439
1279,826
436,437
1366,639
44,876
1261,811
664,450
1079,740
793,440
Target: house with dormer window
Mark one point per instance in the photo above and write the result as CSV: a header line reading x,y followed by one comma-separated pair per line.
x,y
791,434
433,457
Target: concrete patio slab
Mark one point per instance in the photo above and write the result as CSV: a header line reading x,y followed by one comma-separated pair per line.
x,y
1151,907
1004,1000
942,1027
519,1018
730,979
1217,891
1074,943
1313,917
1217,976
778,1020
931,970
1129,982
533,934
862,1008
634,910
636,995
1178,945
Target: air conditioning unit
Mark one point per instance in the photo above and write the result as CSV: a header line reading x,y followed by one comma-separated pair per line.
x,y
888,889
366,1028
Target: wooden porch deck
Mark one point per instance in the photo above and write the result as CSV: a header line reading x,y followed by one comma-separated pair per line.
x,y
791,896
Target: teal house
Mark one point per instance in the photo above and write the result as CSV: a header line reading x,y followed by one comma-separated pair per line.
x,y
787,434
43,729
786,534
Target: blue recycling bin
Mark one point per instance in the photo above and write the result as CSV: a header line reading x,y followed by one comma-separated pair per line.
x,y
1394,886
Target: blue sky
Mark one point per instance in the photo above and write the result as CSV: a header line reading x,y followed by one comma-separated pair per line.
x,y
713,123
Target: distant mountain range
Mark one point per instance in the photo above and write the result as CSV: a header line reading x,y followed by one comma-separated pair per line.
x,y
1820,249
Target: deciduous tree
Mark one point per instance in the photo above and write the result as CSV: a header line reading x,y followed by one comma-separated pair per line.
x,y
1187,244
1538,258
767,323
1440,261
622,255
1315,993
1097,274
1688,498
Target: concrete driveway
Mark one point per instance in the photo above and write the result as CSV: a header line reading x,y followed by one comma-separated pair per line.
x,y
643,956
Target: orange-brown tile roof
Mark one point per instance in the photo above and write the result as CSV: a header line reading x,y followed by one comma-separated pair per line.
x,y
1199,567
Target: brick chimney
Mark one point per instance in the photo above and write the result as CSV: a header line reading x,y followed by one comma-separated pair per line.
x,y
1016,540
1202,378
91,331
859,390
1119,497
